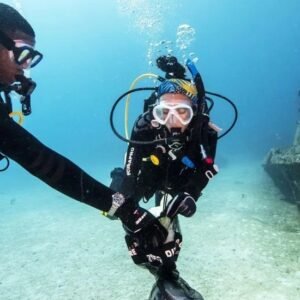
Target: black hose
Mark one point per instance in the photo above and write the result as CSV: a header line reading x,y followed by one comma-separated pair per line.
x,y
211,101
235,112
112,121
166,139
7,162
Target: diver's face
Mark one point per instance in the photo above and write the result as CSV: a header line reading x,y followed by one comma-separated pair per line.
x,y
178,111
8,66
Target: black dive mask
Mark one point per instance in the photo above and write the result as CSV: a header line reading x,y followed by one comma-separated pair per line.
x,y
23,54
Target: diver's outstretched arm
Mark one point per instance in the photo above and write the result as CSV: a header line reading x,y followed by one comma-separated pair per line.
x,y
67,178
49,166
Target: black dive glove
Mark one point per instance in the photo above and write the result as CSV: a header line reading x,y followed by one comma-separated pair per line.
x,y
138,221
183,204
171,66
146,253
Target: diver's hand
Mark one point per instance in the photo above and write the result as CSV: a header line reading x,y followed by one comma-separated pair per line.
x,y
183,204
171,66
139,221
159,259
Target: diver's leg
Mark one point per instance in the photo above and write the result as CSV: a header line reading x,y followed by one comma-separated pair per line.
x,y
169,285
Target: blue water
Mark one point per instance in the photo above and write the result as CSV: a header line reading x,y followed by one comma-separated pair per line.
x,y
248,51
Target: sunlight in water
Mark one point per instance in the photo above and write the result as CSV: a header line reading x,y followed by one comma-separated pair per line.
x,y
148,18
181,45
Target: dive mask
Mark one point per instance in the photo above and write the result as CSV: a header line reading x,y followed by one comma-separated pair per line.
x,y
163,112
23,54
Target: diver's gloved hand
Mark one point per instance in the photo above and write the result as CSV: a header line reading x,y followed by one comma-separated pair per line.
x,y
128,185
139,221
183,204
117,176
171,66
158,259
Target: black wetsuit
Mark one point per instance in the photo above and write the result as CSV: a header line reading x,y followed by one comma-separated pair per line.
x,y
52,168
143,178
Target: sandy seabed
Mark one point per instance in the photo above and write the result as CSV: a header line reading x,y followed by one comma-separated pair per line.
x,y
243,243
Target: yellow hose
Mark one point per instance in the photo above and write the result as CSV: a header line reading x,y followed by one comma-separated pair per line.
x,y
132,86
19,115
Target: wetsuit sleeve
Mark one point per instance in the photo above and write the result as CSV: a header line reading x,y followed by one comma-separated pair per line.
x,y
49,166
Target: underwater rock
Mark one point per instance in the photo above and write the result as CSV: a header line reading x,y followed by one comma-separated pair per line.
x,y
283,165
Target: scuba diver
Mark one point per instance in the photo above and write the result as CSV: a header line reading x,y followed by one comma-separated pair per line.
x,y
170,156
18,53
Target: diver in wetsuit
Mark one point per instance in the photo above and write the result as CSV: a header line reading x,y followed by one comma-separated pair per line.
x,y
17,53
183,160
176,169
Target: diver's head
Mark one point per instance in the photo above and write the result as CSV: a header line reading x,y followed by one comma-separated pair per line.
x,y
175,104
17,40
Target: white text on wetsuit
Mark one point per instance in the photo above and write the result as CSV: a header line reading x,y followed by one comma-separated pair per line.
x,y
129,161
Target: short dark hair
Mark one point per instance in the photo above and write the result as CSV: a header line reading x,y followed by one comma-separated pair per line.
x,y
11,21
